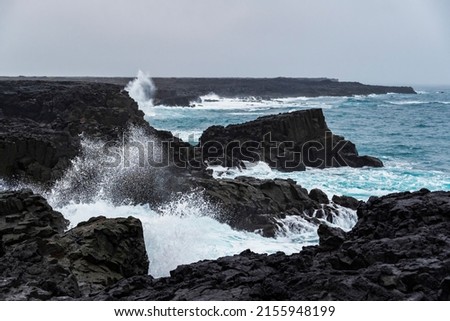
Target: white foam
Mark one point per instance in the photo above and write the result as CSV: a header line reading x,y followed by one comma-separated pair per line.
x,y
141,90
357,182
213,101
406,102
184,232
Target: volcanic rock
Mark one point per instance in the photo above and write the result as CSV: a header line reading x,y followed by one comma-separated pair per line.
x,y
38,261
346,201
287,142
251,204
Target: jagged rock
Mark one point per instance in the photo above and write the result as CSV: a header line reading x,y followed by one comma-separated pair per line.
x,y
330,237
24,216
252,204
399,250
102,251
319,196
346,201
287,142
38,261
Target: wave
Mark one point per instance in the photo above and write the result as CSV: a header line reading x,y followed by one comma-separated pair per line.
x,y
141,90
360,183
182,230
214,101
406,102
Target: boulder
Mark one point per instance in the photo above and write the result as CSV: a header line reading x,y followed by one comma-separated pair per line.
x,y
346,201
330,237
319,196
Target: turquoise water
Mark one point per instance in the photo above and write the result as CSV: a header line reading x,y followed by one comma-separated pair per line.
x,y
409,133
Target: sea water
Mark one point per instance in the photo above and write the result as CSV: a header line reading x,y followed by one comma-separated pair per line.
x,y
409,133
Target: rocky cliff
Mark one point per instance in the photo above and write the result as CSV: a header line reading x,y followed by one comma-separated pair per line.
x,y
41,123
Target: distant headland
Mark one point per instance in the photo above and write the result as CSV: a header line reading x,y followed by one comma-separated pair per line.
x,y
172,91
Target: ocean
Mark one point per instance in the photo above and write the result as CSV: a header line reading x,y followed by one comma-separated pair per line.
x,y
409,133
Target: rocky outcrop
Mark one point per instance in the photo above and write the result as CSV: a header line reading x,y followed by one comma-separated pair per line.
x,y
287,142
41,123
399,250
251,204
38,261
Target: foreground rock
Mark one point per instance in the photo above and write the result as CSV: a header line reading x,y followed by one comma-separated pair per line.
x,y
287,142
38,261
399,250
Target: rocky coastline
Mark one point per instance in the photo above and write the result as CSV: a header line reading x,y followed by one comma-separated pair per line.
x,y
398,250
187,91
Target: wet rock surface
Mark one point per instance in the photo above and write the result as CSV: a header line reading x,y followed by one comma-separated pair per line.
x,y
39,261
41,123
251,204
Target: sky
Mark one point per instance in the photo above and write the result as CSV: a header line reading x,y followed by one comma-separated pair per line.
x,y
376,42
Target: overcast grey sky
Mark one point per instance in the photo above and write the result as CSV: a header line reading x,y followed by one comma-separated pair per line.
x,y
378,41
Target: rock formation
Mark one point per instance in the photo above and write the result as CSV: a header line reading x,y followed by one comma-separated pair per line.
x,y
38,261
251,204
287,142
41,123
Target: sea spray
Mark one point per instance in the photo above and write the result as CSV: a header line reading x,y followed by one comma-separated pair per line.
x,y
188,235
181,230
141,90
